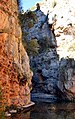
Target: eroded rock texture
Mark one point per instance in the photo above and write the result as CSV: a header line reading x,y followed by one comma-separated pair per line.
x,y
45,62
54,65
15,73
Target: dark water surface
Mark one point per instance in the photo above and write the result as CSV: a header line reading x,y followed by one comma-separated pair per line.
x,y
48,111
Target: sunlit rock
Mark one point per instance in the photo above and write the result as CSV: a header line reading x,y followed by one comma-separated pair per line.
x,y
15,73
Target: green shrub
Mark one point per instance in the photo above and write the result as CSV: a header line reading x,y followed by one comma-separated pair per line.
x,y
28,19
31,46
44,44
30,14
2,115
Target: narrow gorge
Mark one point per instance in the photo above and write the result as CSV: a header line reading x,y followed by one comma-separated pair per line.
x,y
37,55
49,39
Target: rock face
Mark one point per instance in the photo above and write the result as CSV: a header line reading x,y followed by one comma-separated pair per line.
x,y
15,73
66,82
45,64
38,27
62,16
53,67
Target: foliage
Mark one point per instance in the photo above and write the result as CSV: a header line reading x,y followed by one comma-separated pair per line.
x,y
27,19
44,44
30,14
31,46
2,115
30,24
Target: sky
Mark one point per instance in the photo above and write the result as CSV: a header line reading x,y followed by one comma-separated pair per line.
x,y
26,4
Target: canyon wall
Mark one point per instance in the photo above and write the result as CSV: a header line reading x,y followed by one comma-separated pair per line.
x,y
53,28
15,73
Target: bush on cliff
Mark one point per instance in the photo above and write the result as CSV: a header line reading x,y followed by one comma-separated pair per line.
x,y
31,46
44,44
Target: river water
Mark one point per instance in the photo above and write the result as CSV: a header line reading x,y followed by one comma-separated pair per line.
x,y
48,111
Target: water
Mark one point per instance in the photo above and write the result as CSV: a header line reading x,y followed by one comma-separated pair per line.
x,y
48,111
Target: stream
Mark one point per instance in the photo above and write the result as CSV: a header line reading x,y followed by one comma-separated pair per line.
x,y
48,111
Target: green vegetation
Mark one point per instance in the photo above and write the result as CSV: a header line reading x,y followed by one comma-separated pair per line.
x,y
2,115
27,19
30,14
44,44
31,46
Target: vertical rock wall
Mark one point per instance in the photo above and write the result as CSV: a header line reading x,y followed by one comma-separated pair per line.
x,y
54,66
15,73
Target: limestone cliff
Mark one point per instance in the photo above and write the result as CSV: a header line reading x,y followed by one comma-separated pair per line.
x,y
62,16
45,62
15,73
53,66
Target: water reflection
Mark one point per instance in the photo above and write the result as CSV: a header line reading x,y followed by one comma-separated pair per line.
x,y
48,111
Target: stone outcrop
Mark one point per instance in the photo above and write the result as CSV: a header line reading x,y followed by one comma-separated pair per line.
x,y
66,82
64,26
53,66
15,73
46,73
37,27
46,62
62,15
